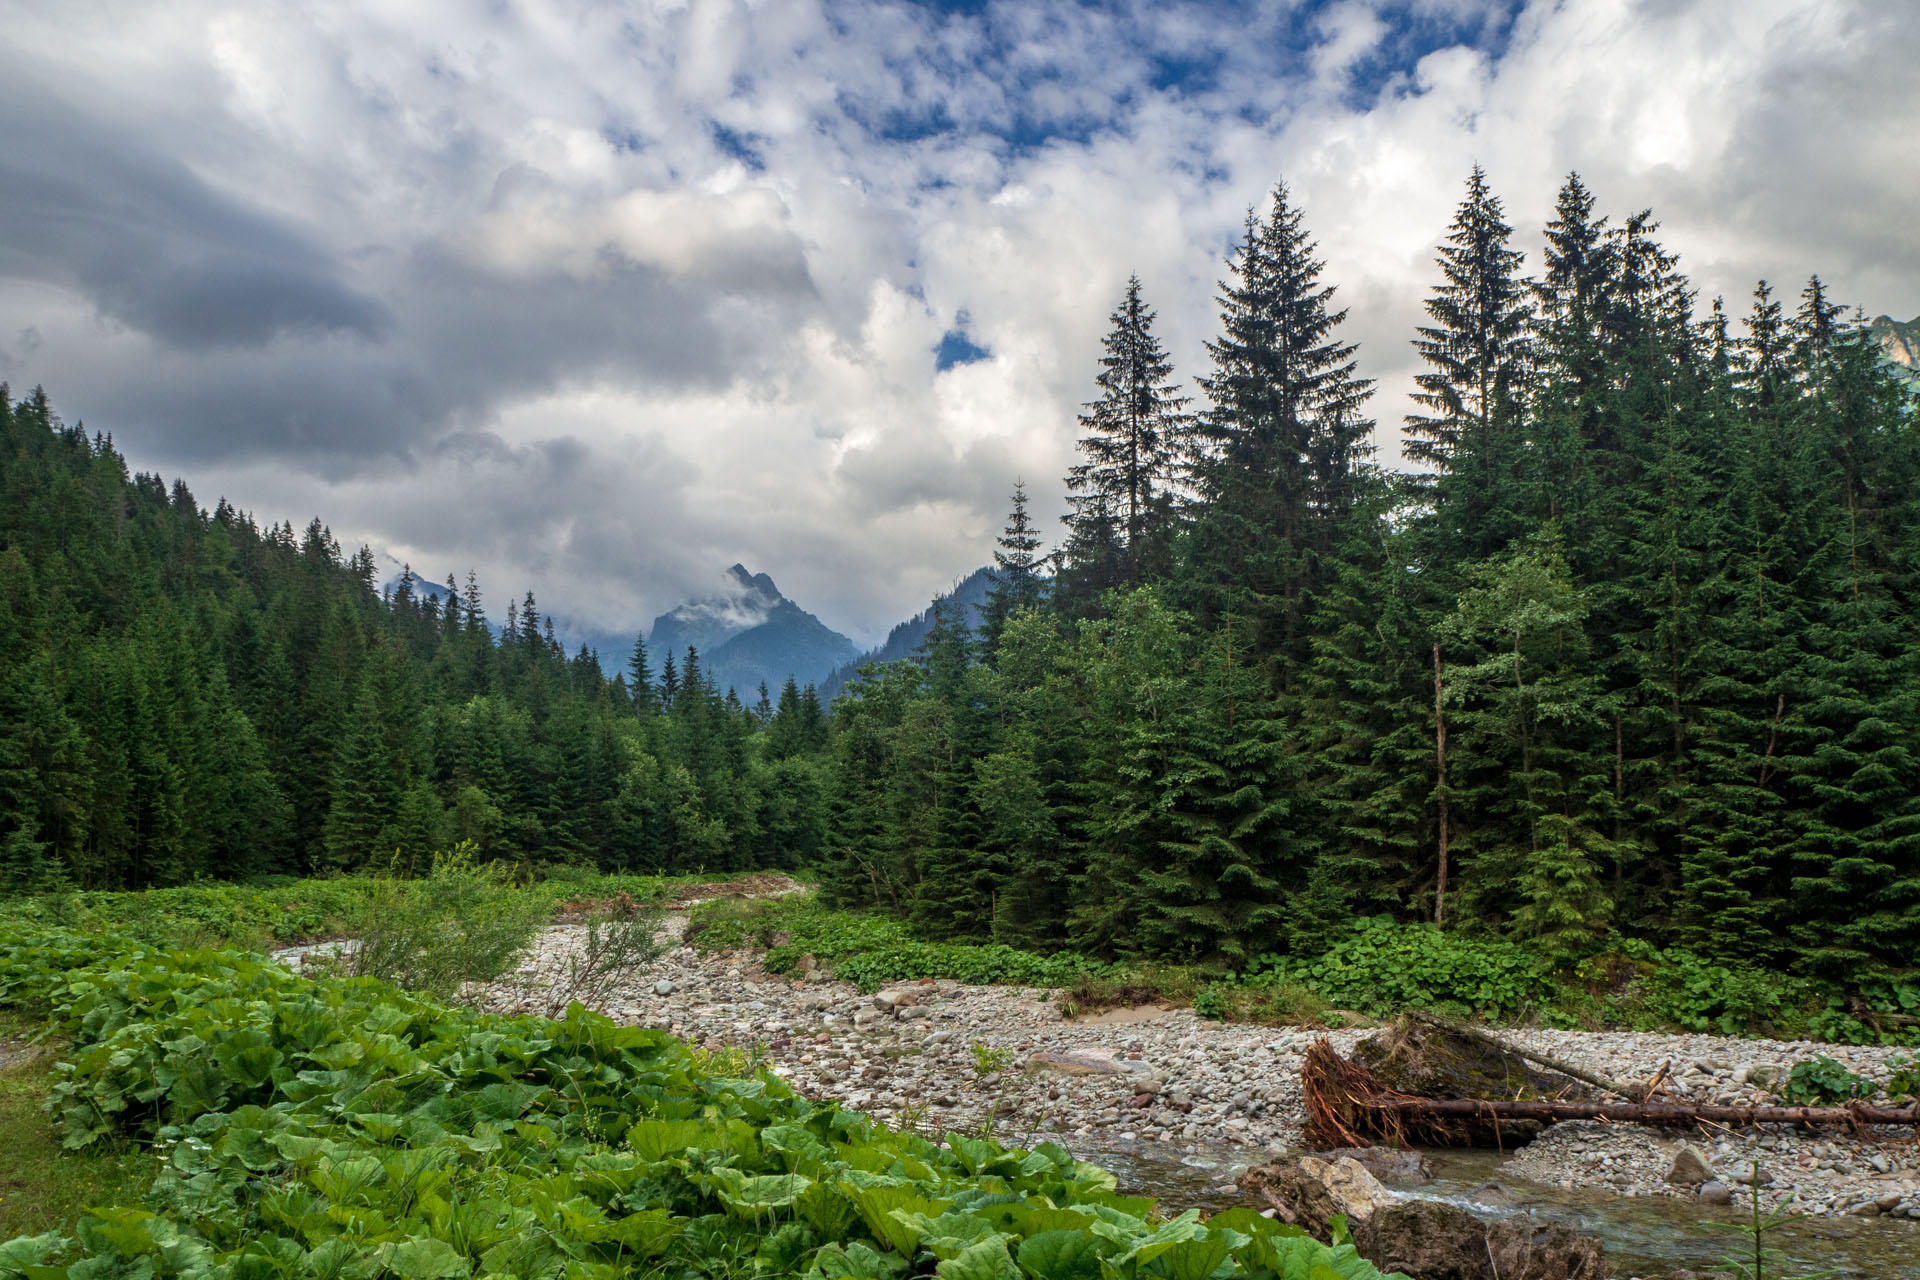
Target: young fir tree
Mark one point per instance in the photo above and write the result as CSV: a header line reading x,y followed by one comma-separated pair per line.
x,y
1136,437
640,679
1017,583
1572,296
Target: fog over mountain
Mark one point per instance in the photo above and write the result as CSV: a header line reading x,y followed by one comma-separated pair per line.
x,y
749,635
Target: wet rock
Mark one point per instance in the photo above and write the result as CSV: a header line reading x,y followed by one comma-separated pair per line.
x,y
1389,1164
1310,1191
1690,1166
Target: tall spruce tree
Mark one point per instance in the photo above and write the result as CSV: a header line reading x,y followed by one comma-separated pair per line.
x,y
1136,435
1284,436
1478,350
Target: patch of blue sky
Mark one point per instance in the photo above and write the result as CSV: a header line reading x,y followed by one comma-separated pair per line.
x,y
740,146
1413,32
956,348
623,138
1215,46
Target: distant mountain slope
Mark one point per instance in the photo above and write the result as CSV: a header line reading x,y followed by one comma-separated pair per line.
x,y
750,635
707,624
906,638
1900,341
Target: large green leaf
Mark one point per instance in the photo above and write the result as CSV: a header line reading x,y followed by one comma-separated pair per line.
x,y
987,1260
422,1258
1060,1255
856,1261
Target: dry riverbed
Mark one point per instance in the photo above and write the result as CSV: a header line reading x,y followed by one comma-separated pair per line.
x,y
948,1056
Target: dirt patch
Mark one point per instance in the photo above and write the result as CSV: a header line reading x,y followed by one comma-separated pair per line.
x,y
17,1053
1123,1015
757,884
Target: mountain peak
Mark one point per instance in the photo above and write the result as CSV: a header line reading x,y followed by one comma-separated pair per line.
x,y
758,583
748,634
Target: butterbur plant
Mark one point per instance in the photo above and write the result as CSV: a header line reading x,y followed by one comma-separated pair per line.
x,y
1824,1083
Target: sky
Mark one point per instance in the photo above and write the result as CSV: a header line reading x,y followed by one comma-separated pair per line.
x,y
597,298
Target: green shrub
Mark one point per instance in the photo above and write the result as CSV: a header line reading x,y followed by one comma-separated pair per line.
x,y
465,922
789,928
1904,1081
988,1059
1824,1083
1383,966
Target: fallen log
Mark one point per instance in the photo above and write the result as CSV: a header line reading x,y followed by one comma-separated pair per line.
x,y
1347,1106
1656,1113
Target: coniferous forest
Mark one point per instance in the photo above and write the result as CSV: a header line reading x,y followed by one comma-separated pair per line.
x,y
1632,648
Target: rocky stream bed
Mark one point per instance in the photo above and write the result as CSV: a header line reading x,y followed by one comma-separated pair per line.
x,y
1180,1106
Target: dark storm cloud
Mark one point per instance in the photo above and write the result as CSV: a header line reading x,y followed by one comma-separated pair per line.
x,y
151,245
460,344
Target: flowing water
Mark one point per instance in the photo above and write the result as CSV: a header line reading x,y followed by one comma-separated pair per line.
x,y
1644,1235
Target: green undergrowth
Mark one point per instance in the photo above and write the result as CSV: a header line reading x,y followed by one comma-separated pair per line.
x,y
1378,967
871,950
1373,968
344,1129
284,910
42,1187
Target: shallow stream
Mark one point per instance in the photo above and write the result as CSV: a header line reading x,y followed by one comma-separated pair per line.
x,y
1645,1236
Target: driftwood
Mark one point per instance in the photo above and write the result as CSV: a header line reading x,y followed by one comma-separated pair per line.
x,y
1637,1092
1660,1113
1347,1106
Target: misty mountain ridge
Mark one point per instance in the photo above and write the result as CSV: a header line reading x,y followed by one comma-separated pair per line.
x,y
906,638
748,636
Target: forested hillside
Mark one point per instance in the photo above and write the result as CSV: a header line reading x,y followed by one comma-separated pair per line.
x,y
1631,651
184,694
1635,650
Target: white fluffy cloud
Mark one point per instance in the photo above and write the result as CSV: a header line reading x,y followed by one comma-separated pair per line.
x,y
601,297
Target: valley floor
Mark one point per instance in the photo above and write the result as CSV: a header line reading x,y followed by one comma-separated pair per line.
x,y
945,1056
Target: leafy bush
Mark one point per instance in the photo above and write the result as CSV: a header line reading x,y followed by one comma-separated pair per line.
x,y
1824,1083
344,1128
276,911
1904,1082
613,944
465,922
1383,966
